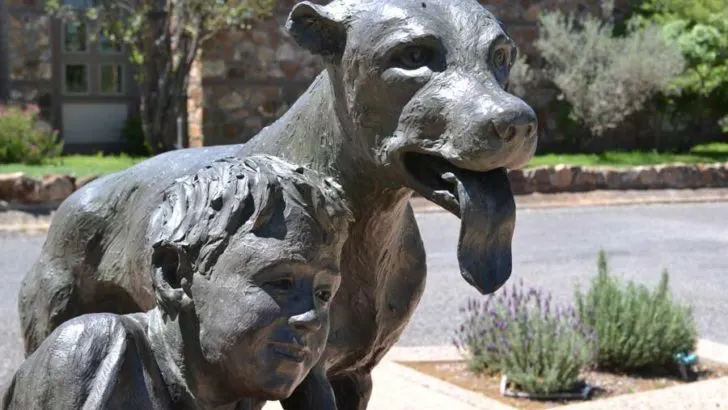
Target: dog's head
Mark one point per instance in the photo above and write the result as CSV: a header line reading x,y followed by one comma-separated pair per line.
x,y
422,85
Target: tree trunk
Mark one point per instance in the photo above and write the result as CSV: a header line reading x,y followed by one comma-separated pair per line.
x,y
155,102
168,61
4,54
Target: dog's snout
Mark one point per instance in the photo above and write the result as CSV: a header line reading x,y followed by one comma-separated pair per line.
x,y
516,122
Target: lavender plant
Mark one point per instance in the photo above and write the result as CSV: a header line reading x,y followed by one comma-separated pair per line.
x,y
542,347
634,326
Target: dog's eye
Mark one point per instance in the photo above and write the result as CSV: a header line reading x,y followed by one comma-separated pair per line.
x,y
500,59
324,295
414,57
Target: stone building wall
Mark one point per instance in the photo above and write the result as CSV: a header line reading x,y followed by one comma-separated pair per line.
x,y
251,78
30,58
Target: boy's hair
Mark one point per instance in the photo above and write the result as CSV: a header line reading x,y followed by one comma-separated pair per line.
x,y
201,212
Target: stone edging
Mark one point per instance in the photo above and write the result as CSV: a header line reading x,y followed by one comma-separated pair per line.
x,y
705,349
18,188
565,178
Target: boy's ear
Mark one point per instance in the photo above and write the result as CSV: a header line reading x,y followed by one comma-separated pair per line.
x,y
317,30
171,277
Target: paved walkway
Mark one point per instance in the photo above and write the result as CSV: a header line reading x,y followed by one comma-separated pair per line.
x,y
603,198
397,387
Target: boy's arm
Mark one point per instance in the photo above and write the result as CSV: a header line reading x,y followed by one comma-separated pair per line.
x,y
314,392
80,365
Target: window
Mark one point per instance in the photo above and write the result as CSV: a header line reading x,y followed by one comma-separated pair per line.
x,y
111,79
80,3
106,46
75,79
75,39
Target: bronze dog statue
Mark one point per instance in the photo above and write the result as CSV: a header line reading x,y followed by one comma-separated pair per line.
x,y
412,100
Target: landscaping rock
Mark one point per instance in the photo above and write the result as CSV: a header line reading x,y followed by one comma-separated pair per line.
x,y
585,179
18,187
7,184
85,180
540,179
561,178
56,188
520,184
612,178
647,177
630,179
717,175
669,176
691,176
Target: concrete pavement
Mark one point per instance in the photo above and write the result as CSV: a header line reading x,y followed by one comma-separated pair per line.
x,y
552,247
397,387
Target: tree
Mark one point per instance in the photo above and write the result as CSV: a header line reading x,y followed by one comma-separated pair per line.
x,y
4,54
164,38
603,77
700,28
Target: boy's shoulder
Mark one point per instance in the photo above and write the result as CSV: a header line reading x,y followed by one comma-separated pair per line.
x,y
82,332
82,361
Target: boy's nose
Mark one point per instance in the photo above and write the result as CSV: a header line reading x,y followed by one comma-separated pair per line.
x,y
308,321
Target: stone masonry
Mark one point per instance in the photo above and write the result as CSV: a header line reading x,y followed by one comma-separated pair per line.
x,y
18,188
29,53
251,78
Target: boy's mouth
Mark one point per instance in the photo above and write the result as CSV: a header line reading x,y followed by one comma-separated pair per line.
x,y
294,352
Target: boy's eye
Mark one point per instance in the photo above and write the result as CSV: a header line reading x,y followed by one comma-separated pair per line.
x,y
324,295
282,284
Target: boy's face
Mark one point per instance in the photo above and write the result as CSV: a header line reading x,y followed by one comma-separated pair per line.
x,y
264,308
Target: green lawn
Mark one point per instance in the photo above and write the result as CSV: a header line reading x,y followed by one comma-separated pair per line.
x,y
706,153
78,165
85,165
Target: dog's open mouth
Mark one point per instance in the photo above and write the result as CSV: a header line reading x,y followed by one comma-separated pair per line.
x,y
484,202
436,179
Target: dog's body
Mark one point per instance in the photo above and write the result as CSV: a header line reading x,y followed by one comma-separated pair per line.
x,y
412,100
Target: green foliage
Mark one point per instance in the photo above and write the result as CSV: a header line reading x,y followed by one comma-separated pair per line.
x,y
700,28
605,78
540,347
128,22
634,327
24,139
521,77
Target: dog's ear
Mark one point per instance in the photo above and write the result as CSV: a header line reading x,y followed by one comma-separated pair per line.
x,y
317,29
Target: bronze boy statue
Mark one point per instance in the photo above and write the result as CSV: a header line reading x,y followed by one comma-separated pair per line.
x,y
244,259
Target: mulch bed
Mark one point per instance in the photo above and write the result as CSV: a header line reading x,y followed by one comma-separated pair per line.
x,y
608,384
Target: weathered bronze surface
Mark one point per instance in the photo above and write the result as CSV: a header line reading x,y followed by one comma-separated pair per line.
x,y
412,100
244,259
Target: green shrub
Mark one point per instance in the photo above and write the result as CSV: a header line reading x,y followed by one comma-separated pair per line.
x,y
24,139
634,327
541,347
700,27
605,78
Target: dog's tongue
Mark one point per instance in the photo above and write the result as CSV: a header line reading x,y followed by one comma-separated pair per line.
x,y
487,220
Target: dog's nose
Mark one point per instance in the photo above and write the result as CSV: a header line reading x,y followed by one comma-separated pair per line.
x,y
515,122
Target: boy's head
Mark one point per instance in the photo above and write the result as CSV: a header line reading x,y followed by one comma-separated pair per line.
x,y
252,247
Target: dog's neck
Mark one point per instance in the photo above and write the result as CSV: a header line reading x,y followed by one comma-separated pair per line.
x,y
316,132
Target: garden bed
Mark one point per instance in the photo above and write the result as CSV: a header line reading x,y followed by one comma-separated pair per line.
x,y
607,384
